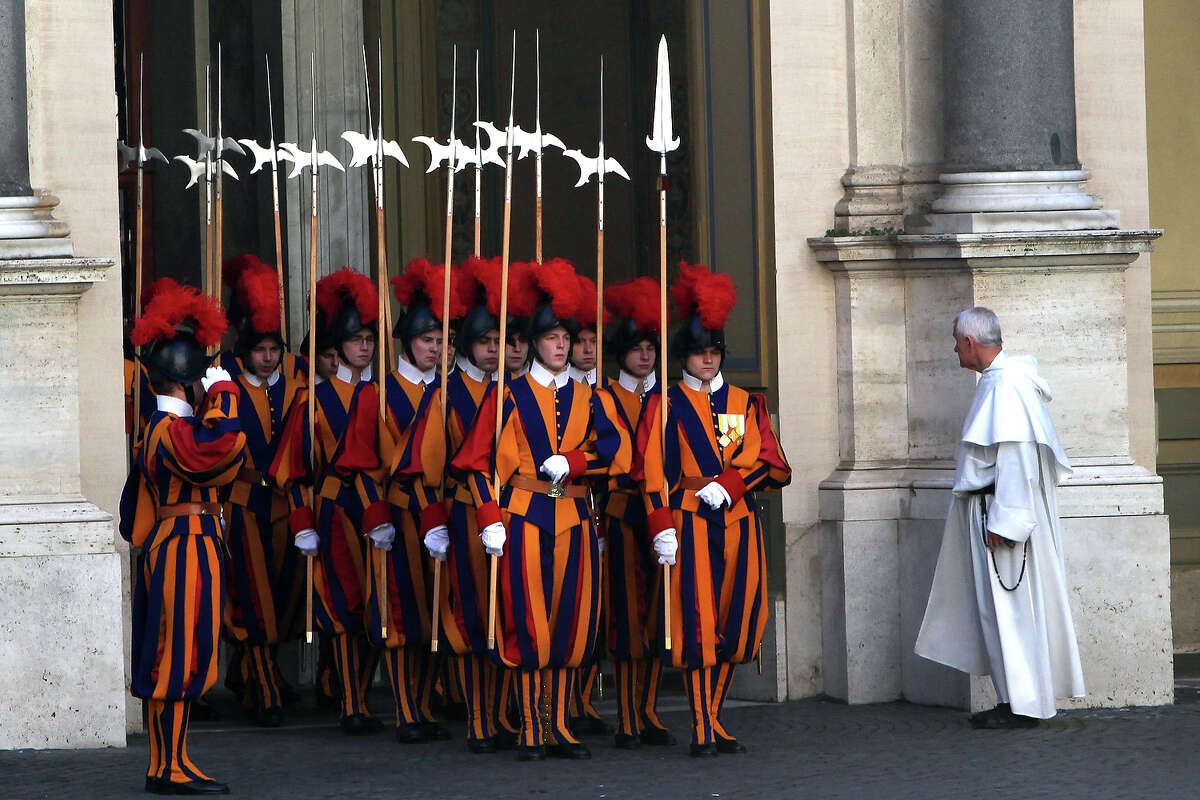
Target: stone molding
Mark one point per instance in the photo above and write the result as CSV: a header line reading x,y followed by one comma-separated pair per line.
x,y
61,276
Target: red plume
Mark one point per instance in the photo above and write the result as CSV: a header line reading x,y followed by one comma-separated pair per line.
x,y
348,284
698,290
587,303
557,280
522,286
154,288
408,284
636,300
233,268
172,304
424,280
258,293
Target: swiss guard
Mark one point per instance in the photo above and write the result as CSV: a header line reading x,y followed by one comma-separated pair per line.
x,y
398,613
264,590
348,511
539,523
702,515
634,344
193,446
486,686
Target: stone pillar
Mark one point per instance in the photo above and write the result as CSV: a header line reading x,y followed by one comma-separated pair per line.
x,y
1010,155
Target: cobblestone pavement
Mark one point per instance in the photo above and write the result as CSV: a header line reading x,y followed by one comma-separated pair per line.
x,y
812,748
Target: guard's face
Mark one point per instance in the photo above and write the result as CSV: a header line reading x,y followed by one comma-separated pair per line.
x,y
359,349
639,362
704,365
516,350
485,352
264,358
583,351
327,363
426,350
553,348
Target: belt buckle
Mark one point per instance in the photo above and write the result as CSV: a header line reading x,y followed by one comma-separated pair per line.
x,y
556,490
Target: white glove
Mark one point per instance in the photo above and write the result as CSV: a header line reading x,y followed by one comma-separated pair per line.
x,y
666,545
382,536
714,496
307,541
601,544
556,468
214,375
494,537
437,542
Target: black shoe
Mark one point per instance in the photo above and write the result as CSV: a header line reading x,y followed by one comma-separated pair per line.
x,y
505,740
730,746
325,700
659,737
360,725
456,711
1001,718
703,750
535,753
589,726
203,712
160,786
411,733
626,741
270,717
572,750
480,746
434,731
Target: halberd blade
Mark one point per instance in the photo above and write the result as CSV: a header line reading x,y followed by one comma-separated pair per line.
x,y
662,139
262,155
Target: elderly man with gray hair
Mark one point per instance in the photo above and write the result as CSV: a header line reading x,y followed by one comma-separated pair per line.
x,y
999,603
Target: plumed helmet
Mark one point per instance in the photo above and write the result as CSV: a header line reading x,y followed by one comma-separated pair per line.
x,y
585,317
559,298
254,307
703,299
482,292
179,324
421,289
634,304
347,302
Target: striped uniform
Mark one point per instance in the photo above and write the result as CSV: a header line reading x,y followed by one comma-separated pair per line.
x,y
170,513
415,508
348,502
548,598
486,685
631,574
718,587
146,400
265,592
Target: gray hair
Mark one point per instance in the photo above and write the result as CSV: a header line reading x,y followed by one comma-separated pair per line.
x,y
980,324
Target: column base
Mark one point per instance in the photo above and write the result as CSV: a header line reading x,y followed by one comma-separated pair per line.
x,y
28,228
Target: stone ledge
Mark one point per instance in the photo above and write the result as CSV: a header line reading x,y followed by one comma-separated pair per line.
x,y
1043,250
53,527
52,275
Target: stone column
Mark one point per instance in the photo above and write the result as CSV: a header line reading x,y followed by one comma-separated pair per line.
x,y
1010,156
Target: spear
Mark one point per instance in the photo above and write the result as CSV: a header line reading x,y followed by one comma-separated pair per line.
x,y
501,370
201,167
662,141
537,141
262,157
142,154
221,168
311,160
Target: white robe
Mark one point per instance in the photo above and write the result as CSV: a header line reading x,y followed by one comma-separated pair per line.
x,y
1025,639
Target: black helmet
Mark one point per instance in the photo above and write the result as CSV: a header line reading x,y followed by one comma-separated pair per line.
x,y
693,337
625,335
473,327
181,359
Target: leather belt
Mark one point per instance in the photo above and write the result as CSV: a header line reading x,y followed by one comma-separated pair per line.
x,y
694,484
251,476
189,510
547,488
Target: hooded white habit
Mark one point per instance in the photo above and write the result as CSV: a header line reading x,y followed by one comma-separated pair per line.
x,y
1025,638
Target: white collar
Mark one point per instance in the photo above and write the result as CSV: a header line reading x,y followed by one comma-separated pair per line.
x,y
473,372
632,384
345,374
693,383
545,377
577,374
173,405
254,380
997,362
413,375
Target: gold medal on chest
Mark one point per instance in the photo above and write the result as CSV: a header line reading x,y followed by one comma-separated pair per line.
x,y
732,428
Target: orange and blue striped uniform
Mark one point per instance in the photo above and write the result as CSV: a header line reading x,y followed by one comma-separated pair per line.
x,y
265,592
179,594
548,575
718,586
486,685
412,493
347,501
631,574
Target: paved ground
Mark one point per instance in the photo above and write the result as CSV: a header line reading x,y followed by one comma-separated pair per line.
x,y
813,748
